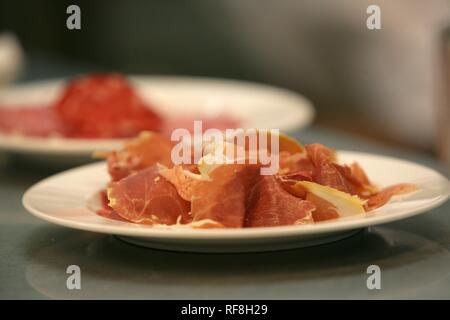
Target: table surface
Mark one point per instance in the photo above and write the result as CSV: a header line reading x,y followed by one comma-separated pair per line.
x,y
413,254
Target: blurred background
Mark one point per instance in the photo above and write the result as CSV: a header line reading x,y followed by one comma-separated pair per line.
x,y
385,85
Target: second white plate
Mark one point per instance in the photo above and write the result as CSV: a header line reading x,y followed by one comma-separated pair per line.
x,y
255,105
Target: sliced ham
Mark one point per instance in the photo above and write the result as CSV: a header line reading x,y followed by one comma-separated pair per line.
x,y
223,198
291,186
359,174
140,153
296,163
146,197
270,205
324,209
325,170
106,211
357,179
183,178
285,143
381,198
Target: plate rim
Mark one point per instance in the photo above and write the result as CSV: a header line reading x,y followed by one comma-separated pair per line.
x,y
149,232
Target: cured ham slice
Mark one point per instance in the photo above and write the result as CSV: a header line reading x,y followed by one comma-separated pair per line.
x,y
146,197
290,145
140,153
381,198
358,174
324,209
318,153
319,165
285,143
293,187
357,179
110,214
223,198
270,205
254,146
106,211
183,179
325,170
296,163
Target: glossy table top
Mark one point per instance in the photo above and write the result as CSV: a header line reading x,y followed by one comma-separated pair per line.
x,y
413,254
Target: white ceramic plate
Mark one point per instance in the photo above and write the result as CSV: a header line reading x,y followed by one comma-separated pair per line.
x,y
256,105
71,198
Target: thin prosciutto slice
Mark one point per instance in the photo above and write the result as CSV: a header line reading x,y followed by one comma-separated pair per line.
x,y
297,163
140,153
146,197
324,209
285,143
106,211
223,198
183,179
325,172
238,196
357,179
381,198
270,205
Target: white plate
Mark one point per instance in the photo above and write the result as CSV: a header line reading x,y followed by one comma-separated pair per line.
x,y
71,198
258,106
